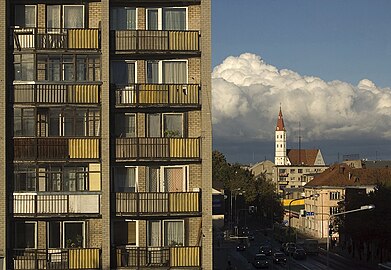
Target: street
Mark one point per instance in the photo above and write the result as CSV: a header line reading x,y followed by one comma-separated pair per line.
x,y
225,252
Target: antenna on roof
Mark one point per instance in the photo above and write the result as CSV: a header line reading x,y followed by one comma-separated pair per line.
x,y
299,144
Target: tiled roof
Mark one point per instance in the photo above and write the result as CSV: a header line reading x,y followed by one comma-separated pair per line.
x,y
341,175
280,122
302,156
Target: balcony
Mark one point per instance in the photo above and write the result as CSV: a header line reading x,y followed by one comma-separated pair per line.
x,y
58,148
148,204
155,41
55,39
54,204
56,94
164,257
63,259
150,95
157,148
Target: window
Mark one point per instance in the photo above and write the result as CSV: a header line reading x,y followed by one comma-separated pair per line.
x,y
24,67
335,195
24,122
74,122
25,178
169,72
173,233
69,67
125,125
123,18
333,210
165,125
72,17
66,234
167,19
126,179
123,72
167,179
66,178
293,170
300,170
25,15
25,235
125,233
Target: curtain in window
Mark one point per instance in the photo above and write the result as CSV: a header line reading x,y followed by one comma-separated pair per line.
x,y
123,73
25,15
122,18
126,179
173,233
130,125
172,125
152,72
154,129
53,17
154,234
153,19
174,72
174,19
153,179
73,17
173,179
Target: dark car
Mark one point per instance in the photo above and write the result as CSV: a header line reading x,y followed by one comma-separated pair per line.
x,y
299,254
279,258
288,248
260,261
250,236
241,246
266,249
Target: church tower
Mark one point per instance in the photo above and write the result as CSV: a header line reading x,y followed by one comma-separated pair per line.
x,y
280,139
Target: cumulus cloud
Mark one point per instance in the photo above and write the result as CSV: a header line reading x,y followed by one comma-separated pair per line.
x,y
247,93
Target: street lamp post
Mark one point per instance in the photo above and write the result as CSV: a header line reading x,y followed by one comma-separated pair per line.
x,y
362,208
289,209
231,216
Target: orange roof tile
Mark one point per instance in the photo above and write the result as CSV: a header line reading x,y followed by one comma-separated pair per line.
x,y
302,156
280,122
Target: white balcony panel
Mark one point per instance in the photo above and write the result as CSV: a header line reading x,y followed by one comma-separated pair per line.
x,y
88,204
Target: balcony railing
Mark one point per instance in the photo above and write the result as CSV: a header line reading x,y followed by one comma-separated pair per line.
x,y
158,203
56,93
155,41
157,148
165,257
157,95
49,204
56,148
56,39
62,259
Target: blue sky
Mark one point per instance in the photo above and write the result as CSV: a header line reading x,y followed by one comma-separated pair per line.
x,y
345,40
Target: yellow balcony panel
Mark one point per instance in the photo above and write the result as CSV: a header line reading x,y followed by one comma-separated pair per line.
x,y
184,148
83,39
184,202
84,94
84,258
184,256
84,148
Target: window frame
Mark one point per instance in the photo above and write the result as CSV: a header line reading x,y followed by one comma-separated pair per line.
x,y
162,179
35,233
162,130
160,18
62,232
136,16
160,70
122,189
35,16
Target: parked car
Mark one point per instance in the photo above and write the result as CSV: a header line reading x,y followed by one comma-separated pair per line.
x,y
288,248
266,249
241,246
299,254
279,258
260,261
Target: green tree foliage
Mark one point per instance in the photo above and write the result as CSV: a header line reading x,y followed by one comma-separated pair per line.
x,y
256,191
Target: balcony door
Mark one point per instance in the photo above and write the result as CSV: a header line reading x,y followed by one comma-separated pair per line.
x,y
166,233
64,16
165,125
123,18
125,179
167,179
173,18
123,75
167,72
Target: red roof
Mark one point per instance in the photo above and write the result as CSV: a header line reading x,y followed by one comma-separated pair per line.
x,y
342,175
280,122
302,156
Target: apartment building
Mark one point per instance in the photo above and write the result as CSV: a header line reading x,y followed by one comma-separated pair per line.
x,y
105,134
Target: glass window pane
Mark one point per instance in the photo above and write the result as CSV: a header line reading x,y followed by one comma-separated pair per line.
x,y
53,18
173,233
152,72
81,68
172,125
154,129
73,234
174,19
174,72
25,15
54,234
25,235
122,18
153,19
73,17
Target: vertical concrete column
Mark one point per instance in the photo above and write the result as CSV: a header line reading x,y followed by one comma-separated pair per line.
x,y
105,142
206,88
3,128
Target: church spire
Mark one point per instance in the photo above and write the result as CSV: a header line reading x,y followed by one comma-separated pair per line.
x,y
280,122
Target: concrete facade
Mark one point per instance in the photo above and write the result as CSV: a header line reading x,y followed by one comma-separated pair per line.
x,y
84,163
